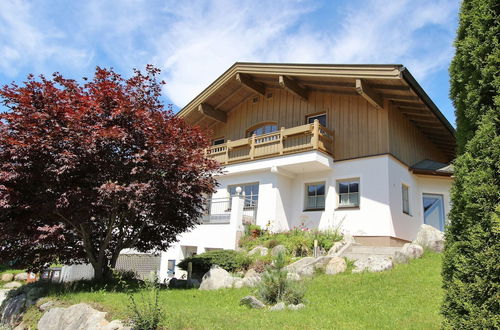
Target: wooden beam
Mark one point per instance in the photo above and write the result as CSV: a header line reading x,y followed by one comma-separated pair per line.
x,y
410,105
227,98
292,86
391,87
369,94
247,81
209,111
397,97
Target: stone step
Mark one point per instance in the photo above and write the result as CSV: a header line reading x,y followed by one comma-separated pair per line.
x,y
356,256
373,249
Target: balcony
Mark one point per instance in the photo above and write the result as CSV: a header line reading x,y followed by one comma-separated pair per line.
x,y
282,142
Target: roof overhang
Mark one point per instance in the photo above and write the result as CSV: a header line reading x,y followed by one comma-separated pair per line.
x,y
375,83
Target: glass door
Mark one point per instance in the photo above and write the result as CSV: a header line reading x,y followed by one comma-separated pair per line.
x,y
434,210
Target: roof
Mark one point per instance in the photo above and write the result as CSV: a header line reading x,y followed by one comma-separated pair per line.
x,y
428,166
375,82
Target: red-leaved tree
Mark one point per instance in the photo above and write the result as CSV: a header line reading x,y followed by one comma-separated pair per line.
x,y
89,170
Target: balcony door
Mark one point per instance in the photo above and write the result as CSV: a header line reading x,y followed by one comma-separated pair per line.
x,y
434,210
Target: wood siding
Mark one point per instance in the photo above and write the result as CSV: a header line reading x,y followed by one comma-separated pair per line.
x,y
360,129
407,143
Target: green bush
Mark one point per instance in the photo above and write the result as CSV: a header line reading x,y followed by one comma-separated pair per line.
x,y
276,287
145,308
298,241
229,260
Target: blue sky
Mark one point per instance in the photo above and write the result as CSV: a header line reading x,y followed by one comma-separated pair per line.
x,y
193,42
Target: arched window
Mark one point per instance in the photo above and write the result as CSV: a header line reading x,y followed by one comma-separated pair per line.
x,y
262,128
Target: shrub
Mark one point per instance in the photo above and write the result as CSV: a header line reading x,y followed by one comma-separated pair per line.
x,y
298,241
276,287
146,311
229,260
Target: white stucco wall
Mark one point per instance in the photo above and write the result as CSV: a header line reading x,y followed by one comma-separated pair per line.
x,y
282,183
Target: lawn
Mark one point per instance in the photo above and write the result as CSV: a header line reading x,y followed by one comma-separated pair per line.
x,y
407,297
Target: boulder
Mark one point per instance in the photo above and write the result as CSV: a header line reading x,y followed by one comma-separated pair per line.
x,y
412,250
216,278
307,271
251,278
335,248
298,265
21,277
400,258
278,249
77,317
252,302
430,237
278,307
3,295
12,309
335,266
46,305
292,276
12,285
321,262
259,250
372,264
296,307
7,277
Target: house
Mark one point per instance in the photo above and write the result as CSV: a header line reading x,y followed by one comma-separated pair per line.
x,y
358,148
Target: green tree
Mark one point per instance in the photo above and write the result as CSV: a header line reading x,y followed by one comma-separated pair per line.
x,y
472,252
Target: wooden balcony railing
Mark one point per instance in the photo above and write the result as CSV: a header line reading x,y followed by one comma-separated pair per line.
x,y
284,141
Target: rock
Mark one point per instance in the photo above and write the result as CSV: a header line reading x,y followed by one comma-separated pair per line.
x,y
7,277
13,308
412,250
278,249
216,278
260,250
335,248
400,258
372,264
12,285
292,276
192,283
46,305
252,302
77,317
21,277
298,265
278,307
251,278
430,237
3,296
335,266
307,271
321,262
296,307
238,284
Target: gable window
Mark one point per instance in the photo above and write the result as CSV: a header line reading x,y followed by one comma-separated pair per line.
x,y
348,193
217,142
320,117
406,198
315,196
262,129
251,191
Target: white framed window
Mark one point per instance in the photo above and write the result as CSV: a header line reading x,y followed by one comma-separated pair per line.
x,y
405,193
262,128
348,193
320,117
251,191
315,196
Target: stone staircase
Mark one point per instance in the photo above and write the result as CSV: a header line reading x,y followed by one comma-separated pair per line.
x,y
356,251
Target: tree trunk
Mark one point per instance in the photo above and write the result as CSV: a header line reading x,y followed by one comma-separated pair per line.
x,y
102,271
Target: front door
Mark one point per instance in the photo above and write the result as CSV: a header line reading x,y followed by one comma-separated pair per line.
x,y
434,210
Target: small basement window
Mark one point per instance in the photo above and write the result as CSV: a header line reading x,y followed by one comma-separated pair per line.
x,y
406,198
315,196
348,193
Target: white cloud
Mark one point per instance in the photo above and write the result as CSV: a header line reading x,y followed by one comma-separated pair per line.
x,y
196,41
204,39
24,41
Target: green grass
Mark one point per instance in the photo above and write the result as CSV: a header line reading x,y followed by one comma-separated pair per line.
x,y
407,297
